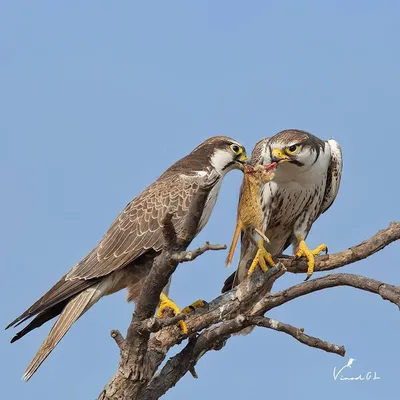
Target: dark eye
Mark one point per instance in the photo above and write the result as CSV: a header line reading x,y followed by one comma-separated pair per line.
x,y
292,149
235,148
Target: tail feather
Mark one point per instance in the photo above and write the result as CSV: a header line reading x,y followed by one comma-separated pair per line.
x,y
40,319
62,291
76,307
234,243
229,283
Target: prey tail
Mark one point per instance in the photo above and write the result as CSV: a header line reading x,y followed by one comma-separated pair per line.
x,y
234,243
76,307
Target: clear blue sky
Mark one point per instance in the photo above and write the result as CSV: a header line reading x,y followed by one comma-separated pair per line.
x,y
99,97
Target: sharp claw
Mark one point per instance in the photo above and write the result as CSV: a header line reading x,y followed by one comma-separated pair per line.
x,y
326,250
167,303
183,328
262,259
307,278
192,307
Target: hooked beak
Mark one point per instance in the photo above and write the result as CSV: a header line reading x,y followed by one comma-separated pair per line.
x,y
279,156
243,157
241,160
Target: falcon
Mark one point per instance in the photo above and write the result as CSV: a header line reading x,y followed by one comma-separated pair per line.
x,y
305,185
125,254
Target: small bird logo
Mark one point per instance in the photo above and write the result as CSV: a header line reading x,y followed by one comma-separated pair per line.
x,y
350,362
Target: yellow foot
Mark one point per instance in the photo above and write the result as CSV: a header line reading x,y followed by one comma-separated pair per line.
x,y
193,306
303,250
262,258
166,302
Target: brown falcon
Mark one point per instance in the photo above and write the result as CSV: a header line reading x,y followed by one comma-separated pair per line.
x,y
124,256
305,185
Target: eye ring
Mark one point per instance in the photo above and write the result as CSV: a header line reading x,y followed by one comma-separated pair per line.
x,y
235,148
292,149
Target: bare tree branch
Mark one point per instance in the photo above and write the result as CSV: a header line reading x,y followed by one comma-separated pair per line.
x,y
177,366
220,309
116,335
214,339
185,256
387,292
298,334
156,324
242,307
356,253
133,371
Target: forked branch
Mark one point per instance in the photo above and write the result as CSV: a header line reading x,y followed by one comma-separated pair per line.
x,y
139,376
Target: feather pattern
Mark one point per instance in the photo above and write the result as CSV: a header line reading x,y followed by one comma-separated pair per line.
x,y
60,292
138,227
134,233
334,175
74,309
297,196
124,256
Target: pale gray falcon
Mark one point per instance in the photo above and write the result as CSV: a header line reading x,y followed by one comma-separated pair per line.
x,y
124,256
305,185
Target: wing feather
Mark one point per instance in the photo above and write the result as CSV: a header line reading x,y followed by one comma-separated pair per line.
x,y
334,175
138,227
133,233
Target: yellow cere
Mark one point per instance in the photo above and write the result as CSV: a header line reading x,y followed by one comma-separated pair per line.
x,y
238,150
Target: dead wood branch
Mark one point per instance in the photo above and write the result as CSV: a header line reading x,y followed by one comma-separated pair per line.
x,y
356,253
244,306
298,334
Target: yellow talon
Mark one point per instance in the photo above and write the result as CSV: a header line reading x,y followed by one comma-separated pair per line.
x,y
320,249
166,302
196,304
303,250
262,258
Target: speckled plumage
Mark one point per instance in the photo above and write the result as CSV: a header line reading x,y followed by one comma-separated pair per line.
x,y
300,192
125,254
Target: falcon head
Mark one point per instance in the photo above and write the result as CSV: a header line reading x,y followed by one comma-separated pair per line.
x,y
297,150
222,152
218,153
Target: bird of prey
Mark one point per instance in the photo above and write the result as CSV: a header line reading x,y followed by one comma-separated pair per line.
x,y
305,185
125,254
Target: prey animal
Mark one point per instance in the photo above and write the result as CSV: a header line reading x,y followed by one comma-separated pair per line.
x,y
250,214
305,185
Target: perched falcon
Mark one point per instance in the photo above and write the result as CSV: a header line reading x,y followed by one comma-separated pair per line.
x,y
124,256
305,185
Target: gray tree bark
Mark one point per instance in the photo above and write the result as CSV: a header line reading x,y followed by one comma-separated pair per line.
x,y
149,339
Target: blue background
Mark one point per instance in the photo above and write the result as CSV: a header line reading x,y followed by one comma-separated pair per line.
x,y
99,97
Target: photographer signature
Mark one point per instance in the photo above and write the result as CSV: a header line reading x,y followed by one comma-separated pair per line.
x,y
367,377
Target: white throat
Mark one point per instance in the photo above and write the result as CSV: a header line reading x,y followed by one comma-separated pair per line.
x,y
220,159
